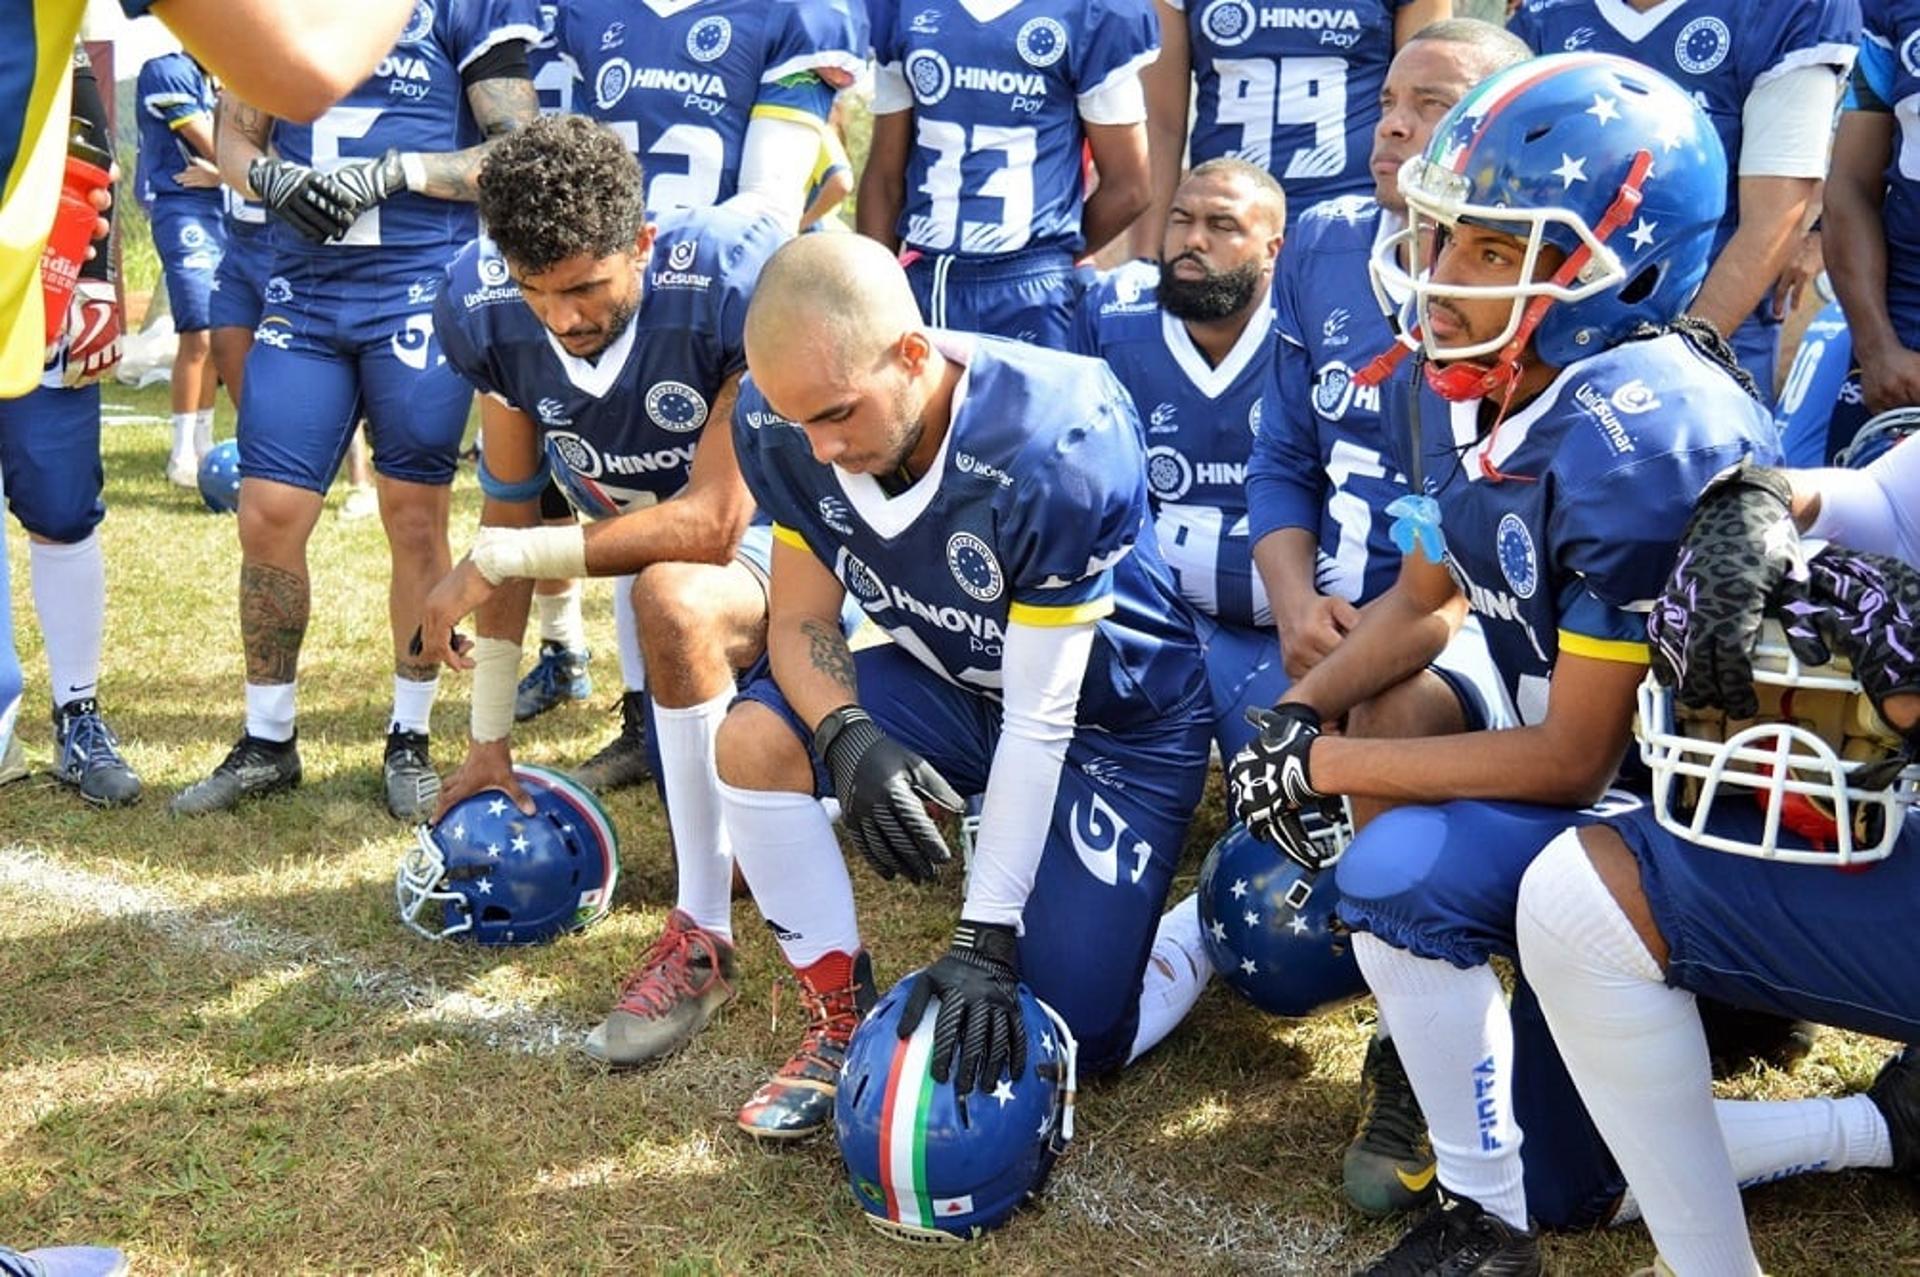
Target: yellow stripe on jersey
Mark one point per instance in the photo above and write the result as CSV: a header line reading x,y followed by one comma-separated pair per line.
x,y
790,537
774,111
1063,614
1625,651
34,113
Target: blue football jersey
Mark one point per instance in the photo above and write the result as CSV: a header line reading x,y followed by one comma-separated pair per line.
x,y
679,79
1568,552
552,74
619,431
413,101
1292,87
1200,422
1035,510
1890,68
172,89
1322,462
1817,387
1716,50
995,162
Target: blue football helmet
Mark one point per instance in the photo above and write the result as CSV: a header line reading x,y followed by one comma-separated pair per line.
x,y
1268,928
220,478
1604,159
1877,438
928,1164
500,876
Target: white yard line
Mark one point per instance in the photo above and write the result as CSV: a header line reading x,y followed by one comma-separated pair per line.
x,y
512,1026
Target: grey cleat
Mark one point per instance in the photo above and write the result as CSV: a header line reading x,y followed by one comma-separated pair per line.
x,y
89,756
251,769
413,787
686,976
624,760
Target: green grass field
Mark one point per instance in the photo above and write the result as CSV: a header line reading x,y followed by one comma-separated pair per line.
x,y
222,1052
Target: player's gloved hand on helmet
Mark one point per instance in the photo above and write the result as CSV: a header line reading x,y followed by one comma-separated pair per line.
x,y
1269,786
978,1033
1865,607
1740,545
883,789
300,197
93,333
365,183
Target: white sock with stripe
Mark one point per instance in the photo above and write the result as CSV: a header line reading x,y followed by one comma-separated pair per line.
x,y
786,850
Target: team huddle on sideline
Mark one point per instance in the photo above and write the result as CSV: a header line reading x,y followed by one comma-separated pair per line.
x,y
1422,466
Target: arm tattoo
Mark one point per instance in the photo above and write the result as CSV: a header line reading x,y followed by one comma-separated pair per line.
x,y
500,106
827,648
273,621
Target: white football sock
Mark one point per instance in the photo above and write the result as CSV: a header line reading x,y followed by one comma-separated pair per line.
x,y
1456,1042
633,666
1177,972
1636,1051
560,619
183,436
70,598
270,711
787,852
701,852
203,432
413,704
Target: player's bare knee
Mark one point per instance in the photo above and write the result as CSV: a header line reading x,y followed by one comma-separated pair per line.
x,y
415,525
1619,872
673,610
1424,705
274,519
756,749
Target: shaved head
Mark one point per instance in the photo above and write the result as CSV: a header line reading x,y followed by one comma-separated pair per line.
x,y
828,301
836,343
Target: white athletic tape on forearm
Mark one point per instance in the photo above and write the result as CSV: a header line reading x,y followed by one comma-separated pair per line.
x,y
536,554
496,676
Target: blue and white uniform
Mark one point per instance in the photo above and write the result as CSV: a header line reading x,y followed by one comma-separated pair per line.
x,y
1821,406
1200,423
679,80
1033,514
994,188
1719,51
619,431
240,285
1565,555
187,231
1293,88
554,80
348,325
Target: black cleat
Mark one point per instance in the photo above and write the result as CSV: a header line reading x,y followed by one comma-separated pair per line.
x,y
1896,1093
623,761
252,768
413,787
1389,1166
1738,1039
1459,1239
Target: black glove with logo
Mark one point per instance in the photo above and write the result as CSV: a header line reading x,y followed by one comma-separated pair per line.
x,y
365,183
1865,607
883,789
978,1033
303,199
1268,785
1739,546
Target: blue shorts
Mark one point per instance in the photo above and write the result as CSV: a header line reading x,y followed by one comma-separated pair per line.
x,y
1243,669
1803,941
1119,821
190,241
1029,296
241,282
50,452
346,335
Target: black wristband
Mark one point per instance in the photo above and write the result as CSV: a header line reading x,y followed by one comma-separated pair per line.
x,y
994,941
834,725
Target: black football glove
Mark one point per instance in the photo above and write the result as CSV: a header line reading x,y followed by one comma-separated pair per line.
x,y
365,183
1268,786
301,198
978,1034
883,789
1865,607
1739,546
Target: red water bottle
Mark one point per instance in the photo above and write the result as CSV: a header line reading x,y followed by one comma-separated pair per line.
x,y
88,170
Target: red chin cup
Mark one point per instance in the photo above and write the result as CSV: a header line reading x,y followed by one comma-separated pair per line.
x,y
1463,379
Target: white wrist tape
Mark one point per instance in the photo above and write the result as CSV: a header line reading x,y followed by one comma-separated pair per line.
x,y
536,554
496,677
415,170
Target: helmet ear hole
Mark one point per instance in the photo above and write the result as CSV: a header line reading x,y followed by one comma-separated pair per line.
x,y
1537,132
1641,286
496,914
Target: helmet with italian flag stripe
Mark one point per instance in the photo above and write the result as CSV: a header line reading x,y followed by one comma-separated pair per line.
x,y
928,1164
